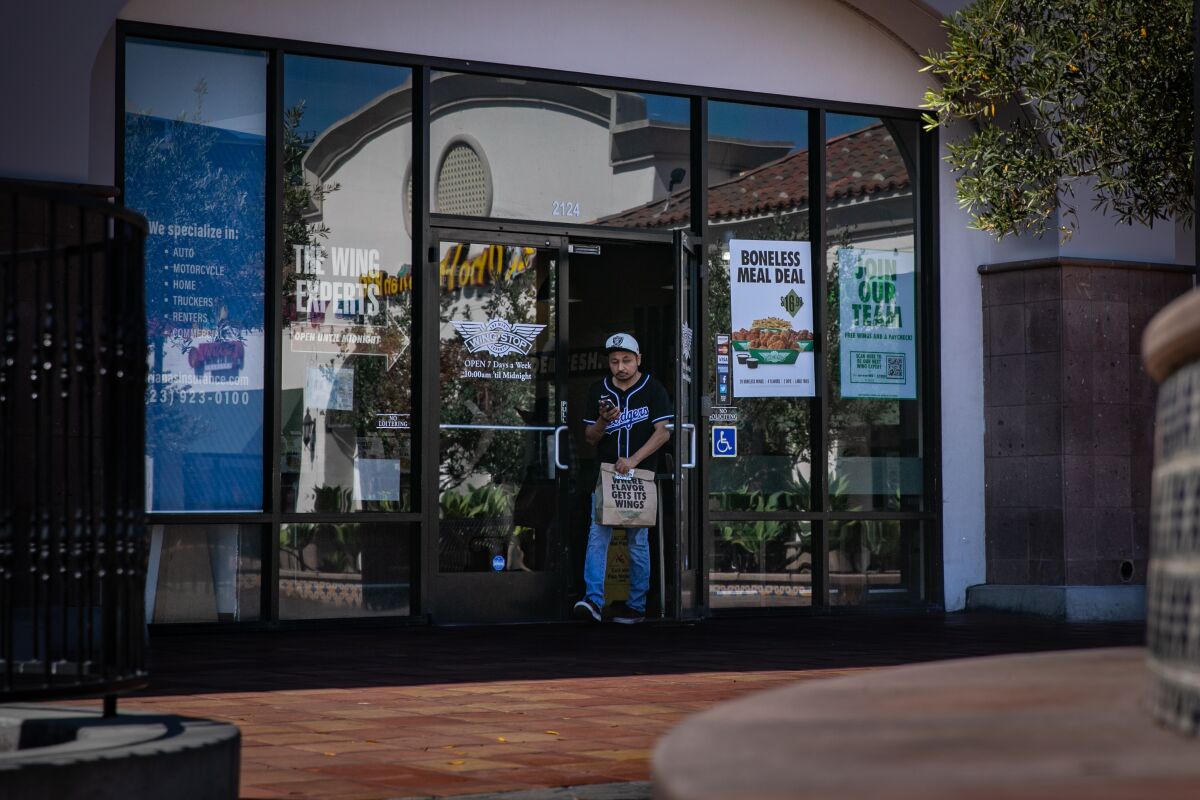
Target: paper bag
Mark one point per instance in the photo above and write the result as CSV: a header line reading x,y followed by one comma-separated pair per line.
x,y
630,500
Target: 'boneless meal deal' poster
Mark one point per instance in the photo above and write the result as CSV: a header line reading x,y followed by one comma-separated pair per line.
x,y
770,302
878,319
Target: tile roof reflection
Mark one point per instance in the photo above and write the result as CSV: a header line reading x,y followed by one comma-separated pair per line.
x,y
858,164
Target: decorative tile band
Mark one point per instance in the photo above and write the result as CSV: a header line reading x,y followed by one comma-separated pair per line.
x,y
1173,585
338,593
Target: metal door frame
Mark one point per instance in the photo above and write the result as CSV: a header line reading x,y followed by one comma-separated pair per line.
x,y
681,447
687,253
685,447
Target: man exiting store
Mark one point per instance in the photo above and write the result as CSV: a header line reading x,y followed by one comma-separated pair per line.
x,y
627,416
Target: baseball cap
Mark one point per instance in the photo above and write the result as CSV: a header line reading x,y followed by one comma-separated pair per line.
x,y
622,341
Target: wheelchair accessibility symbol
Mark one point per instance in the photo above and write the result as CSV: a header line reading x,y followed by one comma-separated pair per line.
x,y
724,441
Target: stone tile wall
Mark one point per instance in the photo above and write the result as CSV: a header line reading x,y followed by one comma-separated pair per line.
x,y
1069,415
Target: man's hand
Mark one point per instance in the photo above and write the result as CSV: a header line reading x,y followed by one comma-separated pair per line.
x,y
657,439
596,430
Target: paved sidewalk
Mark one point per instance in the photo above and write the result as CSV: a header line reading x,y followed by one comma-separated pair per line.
x,y
435,712
1044,726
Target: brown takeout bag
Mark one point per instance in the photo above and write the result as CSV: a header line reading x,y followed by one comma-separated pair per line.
x,y
629,501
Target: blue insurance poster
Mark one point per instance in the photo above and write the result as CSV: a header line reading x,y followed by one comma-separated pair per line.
x,y
201,188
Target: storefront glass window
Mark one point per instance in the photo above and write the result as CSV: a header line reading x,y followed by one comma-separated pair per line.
x,y
760,564
204,573
347,569
876,562
521,149
195,145
347,287
803,348
761,366
873,336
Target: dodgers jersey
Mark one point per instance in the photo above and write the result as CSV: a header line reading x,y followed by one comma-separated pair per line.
x,y
642,406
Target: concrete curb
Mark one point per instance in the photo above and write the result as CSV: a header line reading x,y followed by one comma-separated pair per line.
x,y
1072,603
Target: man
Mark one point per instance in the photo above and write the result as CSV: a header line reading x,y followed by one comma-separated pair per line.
x,y
627,416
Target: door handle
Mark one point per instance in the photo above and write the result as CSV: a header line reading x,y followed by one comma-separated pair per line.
x,y
690,428
557,459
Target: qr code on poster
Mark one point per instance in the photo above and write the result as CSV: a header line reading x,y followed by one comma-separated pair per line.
x,y
894,367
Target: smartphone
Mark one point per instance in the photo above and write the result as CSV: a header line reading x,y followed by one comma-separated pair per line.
x,y
606,403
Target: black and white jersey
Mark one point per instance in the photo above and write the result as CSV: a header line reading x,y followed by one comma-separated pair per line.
x,y
642,406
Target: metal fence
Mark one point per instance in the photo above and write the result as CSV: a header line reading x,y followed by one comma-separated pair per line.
x,y
72,384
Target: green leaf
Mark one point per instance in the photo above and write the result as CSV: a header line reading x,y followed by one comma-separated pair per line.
x,y
1083,91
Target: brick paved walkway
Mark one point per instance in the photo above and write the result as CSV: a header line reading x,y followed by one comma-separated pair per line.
x,y
379,713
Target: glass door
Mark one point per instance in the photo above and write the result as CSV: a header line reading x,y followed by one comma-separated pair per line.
x,y
498,535
689,599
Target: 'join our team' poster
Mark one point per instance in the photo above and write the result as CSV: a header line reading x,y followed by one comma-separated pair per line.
x,y
878,324
770,300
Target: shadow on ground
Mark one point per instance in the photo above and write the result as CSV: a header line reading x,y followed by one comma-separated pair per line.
x,y
244,661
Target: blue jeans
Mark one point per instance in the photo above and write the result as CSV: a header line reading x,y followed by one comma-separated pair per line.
x,y
596,563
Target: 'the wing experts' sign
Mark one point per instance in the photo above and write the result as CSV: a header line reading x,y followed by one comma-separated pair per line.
x,y
498,338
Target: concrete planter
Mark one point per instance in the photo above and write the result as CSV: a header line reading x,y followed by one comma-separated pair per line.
x,y
1171,350
77,754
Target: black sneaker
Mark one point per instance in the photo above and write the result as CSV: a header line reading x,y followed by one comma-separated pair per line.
x,y
586,610
625,615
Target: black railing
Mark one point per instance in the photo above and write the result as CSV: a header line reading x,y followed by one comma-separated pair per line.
x,y
72,378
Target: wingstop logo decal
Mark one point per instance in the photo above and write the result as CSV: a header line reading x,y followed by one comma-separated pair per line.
x,y
685,341
498,337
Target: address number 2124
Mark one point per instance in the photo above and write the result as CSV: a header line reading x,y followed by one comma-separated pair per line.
x,y
566,208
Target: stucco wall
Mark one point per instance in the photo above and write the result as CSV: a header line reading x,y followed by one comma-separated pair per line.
x,y
50,53
759,45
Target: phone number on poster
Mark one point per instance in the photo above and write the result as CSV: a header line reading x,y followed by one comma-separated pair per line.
x,y
183,397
